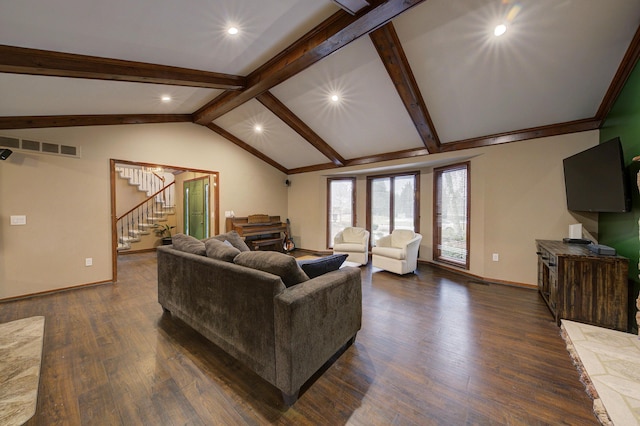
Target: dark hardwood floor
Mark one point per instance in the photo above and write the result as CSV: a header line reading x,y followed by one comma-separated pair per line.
x,y
433,349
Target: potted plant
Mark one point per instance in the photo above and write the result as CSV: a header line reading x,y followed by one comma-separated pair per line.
x,y
164,232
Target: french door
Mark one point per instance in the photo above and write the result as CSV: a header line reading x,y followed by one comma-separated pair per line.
x,y
196,207
341,206
393,202
451,215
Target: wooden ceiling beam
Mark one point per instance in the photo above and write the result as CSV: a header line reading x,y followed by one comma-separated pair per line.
x,y
386,41
45,121
313,168
337,31
20,60
525,134
537,132
627,65
285,114
251,150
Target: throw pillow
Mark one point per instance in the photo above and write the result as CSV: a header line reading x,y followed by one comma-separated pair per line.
x,y
316,267
235,239
220,250
276,263
188,244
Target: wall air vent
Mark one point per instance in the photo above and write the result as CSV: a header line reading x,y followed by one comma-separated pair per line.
x,y
30,145
9,142
69,150
51,148
26,145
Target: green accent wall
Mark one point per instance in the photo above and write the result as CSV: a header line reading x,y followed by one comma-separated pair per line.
x,y
620,230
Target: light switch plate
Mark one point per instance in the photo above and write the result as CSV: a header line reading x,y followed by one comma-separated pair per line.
x,y
18,220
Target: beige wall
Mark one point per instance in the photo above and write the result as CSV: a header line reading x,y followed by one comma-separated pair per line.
x,y
67,200
517,196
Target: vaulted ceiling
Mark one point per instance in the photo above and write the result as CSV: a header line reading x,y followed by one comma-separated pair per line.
x,y
411,77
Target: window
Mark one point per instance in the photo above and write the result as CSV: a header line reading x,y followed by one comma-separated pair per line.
x,y
392,203
451,215
341,206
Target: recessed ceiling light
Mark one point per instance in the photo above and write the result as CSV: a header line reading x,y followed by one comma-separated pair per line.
x,y
257,128
335,98
499,30
233,30
166,98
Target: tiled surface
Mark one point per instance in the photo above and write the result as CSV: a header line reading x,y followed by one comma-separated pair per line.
x,y
611,359
20,359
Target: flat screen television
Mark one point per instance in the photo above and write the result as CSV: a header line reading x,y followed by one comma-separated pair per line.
x,y
596,180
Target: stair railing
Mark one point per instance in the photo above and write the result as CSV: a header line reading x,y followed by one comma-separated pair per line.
x,y
142,218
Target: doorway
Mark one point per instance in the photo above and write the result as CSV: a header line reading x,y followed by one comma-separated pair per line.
x,y
196,207
211,209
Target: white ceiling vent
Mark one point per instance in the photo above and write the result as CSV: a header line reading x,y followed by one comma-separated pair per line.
x,y
27,145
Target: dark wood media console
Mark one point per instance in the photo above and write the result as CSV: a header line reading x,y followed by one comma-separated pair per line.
x,y
580,285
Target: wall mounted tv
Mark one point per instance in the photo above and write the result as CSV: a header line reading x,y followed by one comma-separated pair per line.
x,y
596,179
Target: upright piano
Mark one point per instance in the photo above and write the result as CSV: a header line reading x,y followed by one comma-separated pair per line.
x,y
260,232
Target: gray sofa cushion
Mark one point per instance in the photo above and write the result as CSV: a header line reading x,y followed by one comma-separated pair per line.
x,y
188,244
217,249
235,239
276,263
316,267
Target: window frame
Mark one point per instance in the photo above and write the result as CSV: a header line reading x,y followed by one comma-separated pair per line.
x,y
416,200
329,240
437,236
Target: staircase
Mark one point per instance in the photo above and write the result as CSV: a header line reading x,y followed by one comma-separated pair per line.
x,y
144,220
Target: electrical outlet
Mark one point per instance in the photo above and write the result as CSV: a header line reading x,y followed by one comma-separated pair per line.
x,y
496,257
88,261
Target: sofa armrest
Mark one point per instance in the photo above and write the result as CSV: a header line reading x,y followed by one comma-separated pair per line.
x,y
314,319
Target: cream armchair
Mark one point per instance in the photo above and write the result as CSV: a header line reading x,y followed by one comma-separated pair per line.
x,y
397,252
354,242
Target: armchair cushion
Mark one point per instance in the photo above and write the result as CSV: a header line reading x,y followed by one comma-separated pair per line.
x,y
316,267
275,263
392,252
400,237
349,247
354,235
